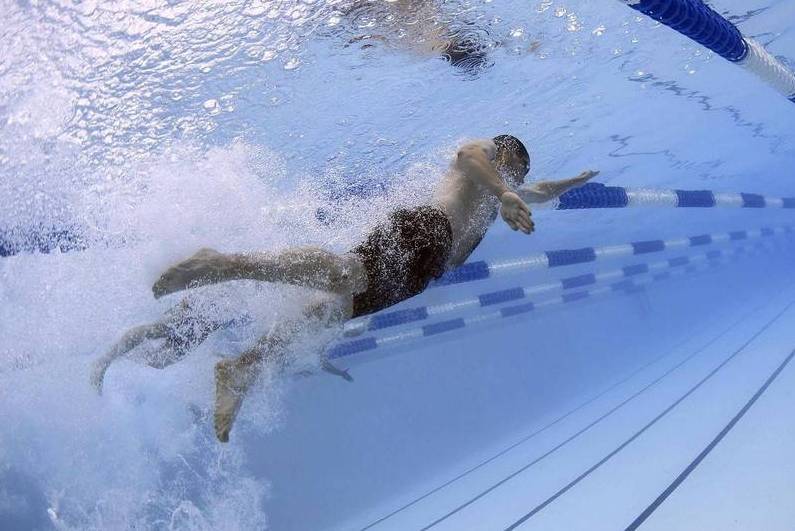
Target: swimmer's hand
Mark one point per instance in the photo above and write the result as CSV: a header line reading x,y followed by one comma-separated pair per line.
x,y
516,213
584,177
346,375
545,191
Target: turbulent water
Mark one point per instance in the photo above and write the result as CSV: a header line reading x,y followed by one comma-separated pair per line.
x,y
149,129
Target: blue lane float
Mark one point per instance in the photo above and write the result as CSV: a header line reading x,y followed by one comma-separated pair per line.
x,y
482,270
597,195
697,21
389,319
623,286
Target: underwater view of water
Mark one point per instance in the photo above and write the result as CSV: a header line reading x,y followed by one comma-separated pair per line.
x,y
140,131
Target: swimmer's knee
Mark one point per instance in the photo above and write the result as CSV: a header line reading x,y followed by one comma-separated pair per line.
x,y
157,330
349,276
157,364
165,356
330,310
135,334
337,274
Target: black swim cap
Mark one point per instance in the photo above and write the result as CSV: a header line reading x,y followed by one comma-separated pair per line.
x,y
514,145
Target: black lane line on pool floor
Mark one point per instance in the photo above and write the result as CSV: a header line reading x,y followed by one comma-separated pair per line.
x,y
562,418
711,446
532,435
597,420
651,423
541,430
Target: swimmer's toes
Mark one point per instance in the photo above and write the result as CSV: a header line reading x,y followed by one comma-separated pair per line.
x,y
229,389
221,430
225,411
98,376
167,283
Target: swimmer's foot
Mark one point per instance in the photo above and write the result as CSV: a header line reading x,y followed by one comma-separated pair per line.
x,y
98,373
205,267
232,379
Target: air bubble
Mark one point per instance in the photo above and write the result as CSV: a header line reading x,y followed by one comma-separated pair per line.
x,y
212,106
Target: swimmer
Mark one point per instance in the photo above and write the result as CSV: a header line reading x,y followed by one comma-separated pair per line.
x,y
397,260
422,30
183,329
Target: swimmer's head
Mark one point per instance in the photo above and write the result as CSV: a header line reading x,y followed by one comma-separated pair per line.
x,y
512,160
466,54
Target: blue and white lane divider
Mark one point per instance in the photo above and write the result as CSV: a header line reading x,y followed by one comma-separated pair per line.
x,y
627,285
481,270
697,21
389,319
591,195
597,195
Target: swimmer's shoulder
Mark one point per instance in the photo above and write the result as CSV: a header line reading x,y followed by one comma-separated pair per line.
x,y
479,147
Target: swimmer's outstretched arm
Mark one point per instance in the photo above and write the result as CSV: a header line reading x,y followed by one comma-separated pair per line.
x,y
543,191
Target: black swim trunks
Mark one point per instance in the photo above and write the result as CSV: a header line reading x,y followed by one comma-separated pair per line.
x,y
402,256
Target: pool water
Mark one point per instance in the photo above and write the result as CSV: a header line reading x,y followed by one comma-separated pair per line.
x,y
145,130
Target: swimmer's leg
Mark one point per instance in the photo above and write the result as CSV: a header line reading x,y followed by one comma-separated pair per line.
x,y
233,377
129,341
180,344
171,327
309,267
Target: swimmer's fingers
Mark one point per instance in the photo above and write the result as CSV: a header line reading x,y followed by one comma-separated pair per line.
x,y
515,212
511,224
525,222
519,219
586,176
509,218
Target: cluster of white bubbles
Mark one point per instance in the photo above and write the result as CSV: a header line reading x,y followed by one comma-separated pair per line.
x,y
103,131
